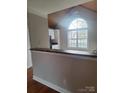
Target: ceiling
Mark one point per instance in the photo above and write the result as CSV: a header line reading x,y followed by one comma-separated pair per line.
x,y
92,5
56,17
45,7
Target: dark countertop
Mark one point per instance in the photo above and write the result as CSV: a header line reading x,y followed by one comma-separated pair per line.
x,y
70,52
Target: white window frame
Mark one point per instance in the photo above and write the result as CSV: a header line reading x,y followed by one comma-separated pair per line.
x,y
77,39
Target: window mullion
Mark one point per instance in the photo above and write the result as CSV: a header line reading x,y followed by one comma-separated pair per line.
x,y
77,38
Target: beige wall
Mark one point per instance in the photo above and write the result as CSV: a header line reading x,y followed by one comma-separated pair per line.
x,y
70,72
38,30
90,17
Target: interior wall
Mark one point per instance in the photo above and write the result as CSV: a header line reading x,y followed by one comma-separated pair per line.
x,y
86,14
29,60
71,72
38,31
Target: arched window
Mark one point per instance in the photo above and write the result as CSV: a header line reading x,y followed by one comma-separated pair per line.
x,y
78,34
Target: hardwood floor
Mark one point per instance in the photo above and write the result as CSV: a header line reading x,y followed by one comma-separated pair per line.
x,y
36,87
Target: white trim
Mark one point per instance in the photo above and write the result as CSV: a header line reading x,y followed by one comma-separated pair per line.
x,y
51,85
29,66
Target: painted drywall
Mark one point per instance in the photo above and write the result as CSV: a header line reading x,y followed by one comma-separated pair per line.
x,y
45,7
86,14
70,72
29,60
38,31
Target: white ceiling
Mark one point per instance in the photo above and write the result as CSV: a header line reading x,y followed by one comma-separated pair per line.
x,y
44,7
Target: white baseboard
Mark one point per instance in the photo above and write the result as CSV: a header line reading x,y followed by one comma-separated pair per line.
x,y
51,85
29,66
